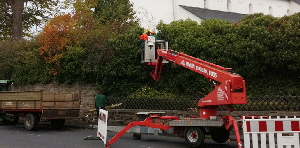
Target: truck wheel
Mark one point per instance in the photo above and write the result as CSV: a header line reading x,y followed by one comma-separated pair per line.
x,y
31,122
58,123
194,136
137,136
219,134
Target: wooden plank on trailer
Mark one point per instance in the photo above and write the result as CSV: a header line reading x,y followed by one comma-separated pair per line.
x,y
68,97
49,113
48,97
20,95
68,104
28,104
76,104
76,96
73,112
8,104
59,97
61,113
48,104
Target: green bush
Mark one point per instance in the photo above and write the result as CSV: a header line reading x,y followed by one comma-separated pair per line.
x,y
21,62
263,49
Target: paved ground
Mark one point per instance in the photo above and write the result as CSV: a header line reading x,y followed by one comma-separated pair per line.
x,y
72,137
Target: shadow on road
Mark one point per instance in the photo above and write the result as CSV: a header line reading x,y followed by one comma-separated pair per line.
x,y
175,142
42,126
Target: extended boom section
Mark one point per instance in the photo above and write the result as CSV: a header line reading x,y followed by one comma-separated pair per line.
x,y
230,89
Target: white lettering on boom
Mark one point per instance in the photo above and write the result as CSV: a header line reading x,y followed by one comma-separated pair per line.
x,y
199,69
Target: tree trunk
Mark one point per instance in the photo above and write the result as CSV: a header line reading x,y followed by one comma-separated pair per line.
x,y
17,10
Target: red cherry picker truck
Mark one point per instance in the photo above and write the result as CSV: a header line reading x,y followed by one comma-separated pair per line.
x,y
229,90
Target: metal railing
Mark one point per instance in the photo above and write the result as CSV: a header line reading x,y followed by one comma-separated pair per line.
x,y
259,103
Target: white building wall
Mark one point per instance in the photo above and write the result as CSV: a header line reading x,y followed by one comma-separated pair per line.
x,y
180,13
294,8
150,12
220,5
278,7
240,6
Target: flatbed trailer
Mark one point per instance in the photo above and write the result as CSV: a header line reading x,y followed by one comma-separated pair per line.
x,y
34,106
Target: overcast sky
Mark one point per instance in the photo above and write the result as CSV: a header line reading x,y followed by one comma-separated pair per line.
x,y
149,16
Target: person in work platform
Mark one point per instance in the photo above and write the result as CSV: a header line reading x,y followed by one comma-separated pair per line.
x,y
144,37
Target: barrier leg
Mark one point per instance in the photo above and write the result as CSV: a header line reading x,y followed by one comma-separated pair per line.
x,y
228,122
237,134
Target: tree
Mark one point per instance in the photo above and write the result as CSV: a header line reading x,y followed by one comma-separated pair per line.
x,y
18,16
54,38
118,12
81,35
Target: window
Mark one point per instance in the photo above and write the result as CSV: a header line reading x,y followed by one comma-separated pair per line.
x,y
270,10
250,9
288,12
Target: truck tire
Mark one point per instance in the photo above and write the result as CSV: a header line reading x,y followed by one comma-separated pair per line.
x,y
219,134
58,123
137,136
194,136
31,121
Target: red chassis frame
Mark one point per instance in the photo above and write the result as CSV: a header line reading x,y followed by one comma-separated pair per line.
x,y
156,121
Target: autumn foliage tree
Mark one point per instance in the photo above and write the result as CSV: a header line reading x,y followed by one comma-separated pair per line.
x,y
55,37
84,35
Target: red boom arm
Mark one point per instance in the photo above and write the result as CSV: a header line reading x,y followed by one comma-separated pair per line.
x,y
232,89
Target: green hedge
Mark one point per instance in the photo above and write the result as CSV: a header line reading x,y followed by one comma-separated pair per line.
x,y
263,49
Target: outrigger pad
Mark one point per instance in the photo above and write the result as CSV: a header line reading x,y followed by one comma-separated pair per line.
x,y
91,138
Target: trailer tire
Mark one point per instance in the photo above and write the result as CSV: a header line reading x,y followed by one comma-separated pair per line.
x,y
219,134
194,136
58,123
137,136
31,122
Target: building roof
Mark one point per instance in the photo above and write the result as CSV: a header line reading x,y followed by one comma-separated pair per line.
x,y
297,1
204,14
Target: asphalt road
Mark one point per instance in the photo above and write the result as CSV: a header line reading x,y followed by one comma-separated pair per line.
x,y
15,136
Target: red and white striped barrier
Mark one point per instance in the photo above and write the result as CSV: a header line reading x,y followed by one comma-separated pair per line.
x,y
262,132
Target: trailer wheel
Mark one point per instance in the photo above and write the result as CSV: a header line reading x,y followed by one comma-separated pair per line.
x,y
31,122
58,123
194,136
137,136
219,134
